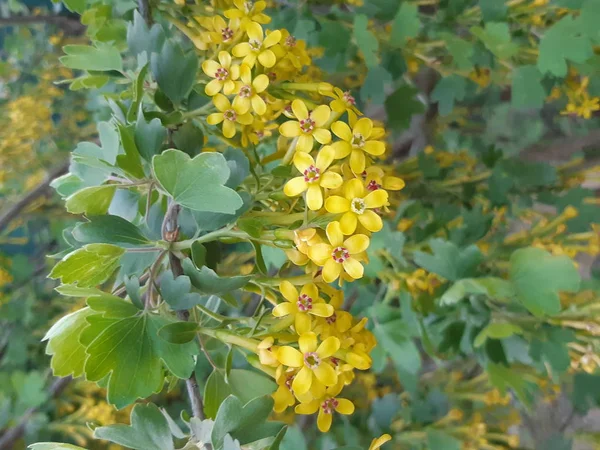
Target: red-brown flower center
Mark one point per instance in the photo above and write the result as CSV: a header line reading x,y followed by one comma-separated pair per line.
x,y
290,41
331,319
312,174
373,186
358,141
307,125
348,98
255,44
312,360
340,254
230,114
245,91
221,74
304,302
329,405
227,34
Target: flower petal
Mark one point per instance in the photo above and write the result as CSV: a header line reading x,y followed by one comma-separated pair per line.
x,y
344,406
215,118
302,323
374,148
254,31
334,234
371,221
267,58
322,310
258,105
328,347
325,373
320,115
305,143
353,268
210,67
364,126
224,59
393,183
319,253
289,356
348,223
291,128
295,186
357,161
289,292
322,135
331,271
241,105
303,161
221,102
324,158
314,197
307,408
302,381
342,130
300,110
342,149
324,421
354,189
283,309
272,38
311,290
246,74
376,199
357,243
336,204
331,180
229,129
241,50
245,119
307,342
260,83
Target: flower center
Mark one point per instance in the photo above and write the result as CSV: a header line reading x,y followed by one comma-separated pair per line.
x,y
329,405
307,125
255,44
357,205
272,76
289,380
331,319
334,361
312,360
304,302
245,91
348,98
226,33
312,174
230,114
260,134
340,254
290,41
373,186
221,74
358,141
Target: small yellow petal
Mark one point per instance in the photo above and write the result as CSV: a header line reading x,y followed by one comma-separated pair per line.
x,y
260,83
241,50
374,148
311,290
267,58
254,31
289,356
353,268
305,143
371,221
307,408
302,381
221,102
319,253
376,199
357,243
291,128
320,115
354,189
295,186
326,374
342,130
229,129
342,149
363,126
344,406
334,234
283,309
302,323
324,421
314,197
348,223
322,310
331,180
303,161
337,205
272,38
331,271
210,67
224,59
377,443
300,110
322,136
357,161
307,342
289,292
328,347
215,118
393,183
325,158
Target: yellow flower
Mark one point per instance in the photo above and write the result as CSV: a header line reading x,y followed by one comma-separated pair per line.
x,y
258,46
339,254
223,32
344,101
308,127
248,12
356,205
326,406
249,90
283,396
224,74
302,305
356,142
229,115
312,360
337,323
375,178
315,177
266,352
378,442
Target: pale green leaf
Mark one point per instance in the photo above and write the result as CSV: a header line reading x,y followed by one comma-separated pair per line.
x,y
103,57
88,266
92,201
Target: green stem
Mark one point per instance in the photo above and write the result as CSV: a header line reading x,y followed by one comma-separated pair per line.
x,y
230,338
300,279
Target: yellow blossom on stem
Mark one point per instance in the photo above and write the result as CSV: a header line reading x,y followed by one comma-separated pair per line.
x,y
339,255
248,12
378,442
309,126
301,305
313,361
315,177
249,91
257,47
326,407
356,142
343,101
229,114
224,74
223,32
356,206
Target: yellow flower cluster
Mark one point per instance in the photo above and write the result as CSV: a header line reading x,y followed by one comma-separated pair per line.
x,y
580,102
257,79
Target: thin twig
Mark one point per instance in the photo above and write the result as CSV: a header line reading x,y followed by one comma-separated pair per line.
x,y
146,11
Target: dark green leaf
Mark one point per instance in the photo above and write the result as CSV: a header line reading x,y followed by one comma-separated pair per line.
x,y
174,71
109,230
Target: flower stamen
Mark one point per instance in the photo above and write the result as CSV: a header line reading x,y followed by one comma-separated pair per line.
x,y
312,360
312,174
340,254
304,302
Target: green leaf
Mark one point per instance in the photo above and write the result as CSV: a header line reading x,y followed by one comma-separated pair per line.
x,y
141,39
492,10
438,440
496,330
179,332
149,137
88,266
197,183
215,391
372,88
92,201
149,430
131,354
365,40
405,25
54,446
208,282
461,50
527,89
130,162
494,288
239,167
496,37
401,105
504,378
77,6
103,57
109,230
176,291
562,42
189,139
448,260
174,71
401,348
237,419
538,277
447,91
112,306
68,354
